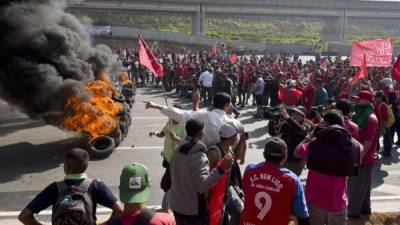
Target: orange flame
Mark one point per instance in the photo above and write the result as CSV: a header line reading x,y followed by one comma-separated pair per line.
x,y
124,78
97,117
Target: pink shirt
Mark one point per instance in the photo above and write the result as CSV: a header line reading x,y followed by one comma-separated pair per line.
x,y
325,191
351,127
370,133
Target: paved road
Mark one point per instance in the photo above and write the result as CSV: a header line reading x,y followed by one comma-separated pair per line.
x,y
31,155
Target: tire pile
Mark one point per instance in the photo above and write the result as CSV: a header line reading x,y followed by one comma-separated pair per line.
x,y
101,147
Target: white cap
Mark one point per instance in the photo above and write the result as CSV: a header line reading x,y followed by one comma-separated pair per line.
x,y
388,82
227,131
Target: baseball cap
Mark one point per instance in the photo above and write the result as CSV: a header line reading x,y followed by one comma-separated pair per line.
x,y
388,82
300,109
134,186
227,131
366,95
275,147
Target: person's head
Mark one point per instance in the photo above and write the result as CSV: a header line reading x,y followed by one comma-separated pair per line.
x,y
363,98
228,134
333,117
299,114
329,104
195,129
222,101
318,83
275,150
134,184
344,106
76,161
380,97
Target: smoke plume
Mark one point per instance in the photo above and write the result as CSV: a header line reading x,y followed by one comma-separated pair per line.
x,y
45,57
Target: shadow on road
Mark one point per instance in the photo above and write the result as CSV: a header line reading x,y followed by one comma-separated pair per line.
x,y
24,158
15,124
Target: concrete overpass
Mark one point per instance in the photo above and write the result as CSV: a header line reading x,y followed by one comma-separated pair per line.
x,y
335,13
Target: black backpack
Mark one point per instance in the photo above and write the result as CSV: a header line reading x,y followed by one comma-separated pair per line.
x,y
74,205
333,152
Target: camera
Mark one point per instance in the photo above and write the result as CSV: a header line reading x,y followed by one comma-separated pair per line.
x,y
272,114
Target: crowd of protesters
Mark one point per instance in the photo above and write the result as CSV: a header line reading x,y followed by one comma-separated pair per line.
x,y
326,124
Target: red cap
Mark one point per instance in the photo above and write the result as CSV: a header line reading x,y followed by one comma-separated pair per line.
x,y
364,95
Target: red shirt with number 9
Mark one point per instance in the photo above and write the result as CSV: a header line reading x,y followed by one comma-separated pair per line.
x,y
271,194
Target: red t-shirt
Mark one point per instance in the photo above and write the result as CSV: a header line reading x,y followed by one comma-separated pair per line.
x,y
288,96
158,219
272,194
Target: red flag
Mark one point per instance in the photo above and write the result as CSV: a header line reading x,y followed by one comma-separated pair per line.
x,y
363,72
216,200
396,70
147,59
233,58
214,49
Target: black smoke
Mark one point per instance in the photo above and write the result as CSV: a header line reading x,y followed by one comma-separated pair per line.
x,y
45,57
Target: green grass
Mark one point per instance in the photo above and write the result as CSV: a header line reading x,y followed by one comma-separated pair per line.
x,y
265,30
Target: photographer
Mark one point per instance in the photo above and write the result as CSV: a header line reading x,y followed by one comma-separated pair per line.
x,y
293,130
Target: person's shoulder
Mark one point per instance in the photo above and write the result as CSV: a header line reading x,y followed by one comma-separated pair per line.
x,y
253,165
162,219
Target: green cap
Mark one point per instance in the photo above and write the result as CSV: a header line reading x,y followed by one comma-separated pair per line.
x,y
134,185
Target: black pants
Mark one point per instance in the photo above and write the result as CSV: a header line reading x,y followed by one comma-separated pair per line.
x,y
190,220
207,94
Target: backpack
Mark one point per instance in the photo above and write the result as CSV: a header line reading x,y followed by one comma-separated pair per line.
x,y
391,118
143,218
74,205
334,152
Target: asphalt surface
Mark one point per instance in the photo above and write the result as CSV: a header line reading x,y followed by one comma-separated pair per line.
x,y
31,155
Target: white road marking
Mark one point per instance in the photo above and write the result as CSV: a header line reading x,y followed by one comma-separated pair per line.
x,y
149,117
148,125
48,212
134,148
388,189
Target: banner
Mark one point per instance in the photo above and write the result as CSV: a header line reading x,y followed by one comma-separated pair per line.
x,y
379,52
98,29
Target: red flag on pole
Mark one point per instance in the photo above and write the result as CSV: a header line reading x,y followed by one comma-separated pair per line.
x,y
363,72
147,59
396,70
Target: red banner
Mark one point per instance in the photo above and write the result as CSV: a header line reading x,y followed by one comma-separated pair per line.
x,y
379,52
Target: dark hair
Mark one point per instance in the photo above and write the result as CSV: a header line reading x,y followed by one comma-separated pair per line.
x,y
275,150
344,106
221,100
193,127
77,160
333,117
318,81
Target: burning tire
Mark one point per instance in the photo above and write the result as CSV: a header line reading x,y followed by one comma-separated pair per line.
x,y
118,98
123,126
101,147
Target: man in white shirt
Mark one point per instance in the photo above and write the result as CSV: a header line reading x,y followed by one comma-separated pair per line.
x,y
213,120
206,81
